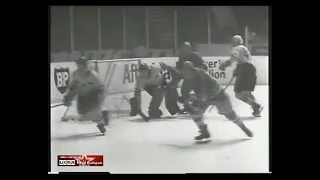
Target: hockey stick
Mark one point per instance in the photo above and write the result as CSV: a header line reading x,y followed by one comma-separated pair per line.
x,y
57,105
228,83
224,89
64,118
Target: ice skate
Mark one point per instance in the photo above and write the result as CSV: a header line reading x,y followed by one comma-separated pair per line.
x,y
204,135
147,119
144,117
154,115
64,119
183,111
257,110
101,128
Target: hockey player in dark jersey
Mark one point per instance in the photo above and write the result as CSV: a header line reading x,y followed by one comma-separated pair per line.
x,y
153,82
186,54
245,74
88,87
207,92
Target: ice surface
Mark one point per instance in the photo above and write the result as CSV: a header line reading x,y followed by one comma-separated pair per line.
x,y
167,146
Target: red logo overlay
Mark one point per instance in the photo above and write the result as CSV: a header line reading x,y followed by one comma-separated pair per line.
x,y
80,160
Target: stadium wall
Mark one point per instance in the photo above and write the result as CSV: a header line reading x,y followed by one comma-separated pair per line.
x,y
223,77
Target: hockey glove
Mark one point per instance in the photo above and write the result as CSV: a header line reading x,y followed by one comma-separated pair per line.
x,y
196,105
224,65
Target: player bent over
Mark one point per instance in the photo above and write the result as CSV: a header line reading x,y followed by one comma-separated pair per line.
x,y
208,92
89,89
153,82
245,74
186,54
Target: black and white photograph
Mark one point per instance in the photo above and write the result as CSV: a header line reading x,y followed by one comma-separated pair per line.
x,y
159,89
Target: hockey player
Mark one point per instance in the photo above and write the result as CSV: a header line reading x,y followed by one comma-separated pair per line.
x,y
245,74
89,89
153,82
208,92
187,54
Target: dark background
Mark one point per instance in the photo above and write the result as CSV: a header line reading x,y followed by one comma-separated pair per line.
x,y
192,25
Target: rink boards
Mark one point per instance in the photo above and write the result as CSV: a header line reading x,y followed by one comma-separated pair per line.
x,y
119,76
260,62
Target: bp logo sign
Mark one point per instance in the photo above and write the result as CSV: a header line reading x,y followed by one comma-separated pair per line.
x,y
61,79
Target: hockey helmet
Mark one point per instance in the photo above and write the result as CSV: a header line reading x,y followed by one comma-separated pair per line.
x,y
187,65
186,45
82,60
237,40
143,67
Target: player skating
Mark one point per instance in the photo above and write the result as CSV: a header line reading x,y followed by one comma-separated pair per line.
x,y
245,74
208,92
186,54
89,89
153,82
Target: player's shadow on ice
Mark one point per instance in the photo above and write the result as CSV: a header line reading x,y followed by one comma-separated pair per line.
x,y
77,137
214,144
187,117
247,118
163,119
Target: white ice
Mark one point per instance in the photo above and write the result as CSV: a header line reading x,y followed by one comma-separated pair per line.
x,y
167,146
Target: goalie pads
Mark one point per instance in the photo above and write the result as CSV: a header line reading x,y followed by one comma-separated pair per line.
x,y
171,98
157,97
134,105
135,108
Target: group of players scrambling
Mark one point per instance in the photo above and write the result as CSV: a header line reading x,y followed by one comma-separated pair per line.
x,y
190,68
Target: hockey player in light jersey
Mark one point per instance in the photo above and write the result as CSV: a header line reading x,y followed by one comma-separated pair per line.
x,y
245,74
207,92
153,82
89,89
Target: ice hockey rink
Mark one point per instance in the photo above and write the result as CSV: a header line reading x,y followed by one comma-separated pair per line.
x,y
167,146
